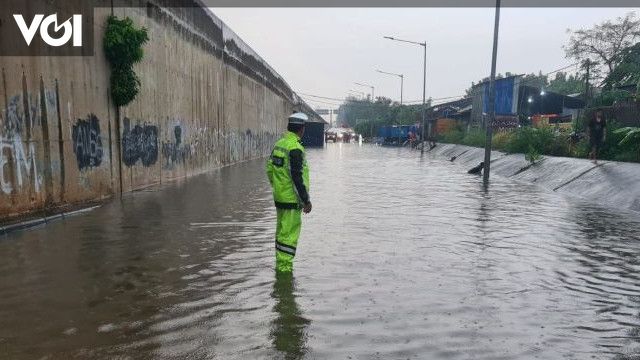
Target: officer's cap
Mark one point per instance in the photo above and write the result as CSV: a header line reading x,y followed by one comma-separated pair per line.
x,y
298,118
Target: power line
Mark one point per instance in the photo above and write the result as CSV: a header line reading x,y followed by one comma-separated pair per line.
x,y
344,100
320,97
337,102
566,67
322,102
435,99
525,81
416,102
522,82
315,101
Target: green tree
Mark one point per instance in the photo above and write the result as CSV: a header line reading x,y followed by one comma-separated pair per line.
x,y
566,84
367,117
627,71
610,97
603,43
407,115
539,81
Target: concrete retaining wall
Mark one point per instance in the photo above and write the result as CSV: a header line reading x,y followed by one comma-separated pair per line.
x,y
207,100
610,183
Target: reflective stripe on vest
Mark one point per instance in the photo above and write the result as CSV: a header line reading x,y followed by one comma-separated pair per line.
x,y
285,248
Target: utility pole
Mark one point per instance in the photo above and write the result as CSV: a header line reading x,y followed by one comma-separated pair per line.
x,y
492,98
401,87
372,90
361,93
424,103
330,117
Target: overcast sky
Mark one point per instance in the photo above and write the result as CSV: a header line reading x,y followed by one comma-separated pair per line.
x,y
324,51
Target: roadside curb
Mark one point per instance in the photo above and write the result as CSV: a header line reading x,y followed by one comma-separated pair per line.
x,y
4,230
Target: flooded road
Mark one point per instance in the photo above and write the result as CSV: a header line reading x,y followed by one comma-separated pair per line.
x,y
402,257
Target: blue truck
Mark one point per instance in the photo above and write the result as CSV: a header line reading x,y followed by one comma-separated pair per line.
x,y
397,134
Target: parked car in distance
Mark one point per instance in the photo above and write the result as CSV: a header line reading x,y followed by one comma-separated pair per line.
x,y
330,135
339,134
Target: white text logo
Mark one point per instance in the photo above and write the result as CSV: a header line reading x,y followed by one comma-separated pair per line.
x,y
70,30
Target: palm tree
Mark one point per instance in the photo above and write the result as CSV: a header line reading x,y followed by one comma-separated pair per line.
x,y
631,137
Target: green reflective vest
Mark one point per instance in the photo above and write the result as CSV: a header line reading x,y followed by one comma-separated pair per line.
x,y
285,194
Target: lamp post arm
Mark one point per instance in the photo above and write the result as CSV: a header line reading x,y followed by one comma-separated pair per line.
x,y
407,41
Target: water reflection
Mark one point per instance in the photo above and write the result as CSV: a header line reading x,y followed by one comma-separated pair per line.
x,y
289,329
606,269
403,257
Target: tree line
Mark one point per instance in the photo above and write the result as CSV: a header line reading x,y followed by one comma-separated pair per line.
x,y
366,116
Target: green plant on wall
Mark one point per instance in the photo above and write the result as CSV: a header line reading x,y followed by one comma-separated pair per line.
x,y
123,47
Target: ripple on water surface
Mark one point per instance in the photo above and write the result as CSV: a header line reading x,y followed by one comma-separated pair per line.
x,y
402,257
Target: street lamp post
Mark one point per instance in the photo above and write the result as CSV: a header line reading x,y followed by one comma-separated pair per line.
x,y
401,81
361,93
424,85
372,90
492,98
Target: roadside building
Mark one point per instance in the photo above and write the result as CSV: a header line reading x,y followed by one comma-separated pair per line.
x,y
450,115
520,103
536,101
506,102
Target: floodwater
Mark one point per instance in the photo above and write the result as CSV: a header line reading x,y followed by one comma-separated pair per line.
x,y
401,258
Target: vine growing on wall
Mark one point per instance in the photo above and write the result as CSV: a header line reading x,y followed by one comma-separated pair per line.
x,y
123,47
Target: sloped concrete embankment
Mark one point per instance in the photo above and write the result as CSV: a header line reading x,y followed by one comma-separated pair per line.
x,y
610,183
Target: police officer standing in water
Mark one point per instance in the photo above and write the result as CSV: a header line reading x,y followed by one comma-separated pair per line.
x,y
288,174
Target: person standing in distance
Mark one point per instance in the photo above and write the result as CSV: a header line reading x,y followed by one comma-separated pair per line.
x,y
597,134
288,174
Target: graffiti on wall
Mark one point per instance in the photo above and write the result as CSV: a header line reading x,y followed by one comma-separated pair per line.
x,y
139,143
259,143
17,165
87,142
175,151
234,142
16,116
243,145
